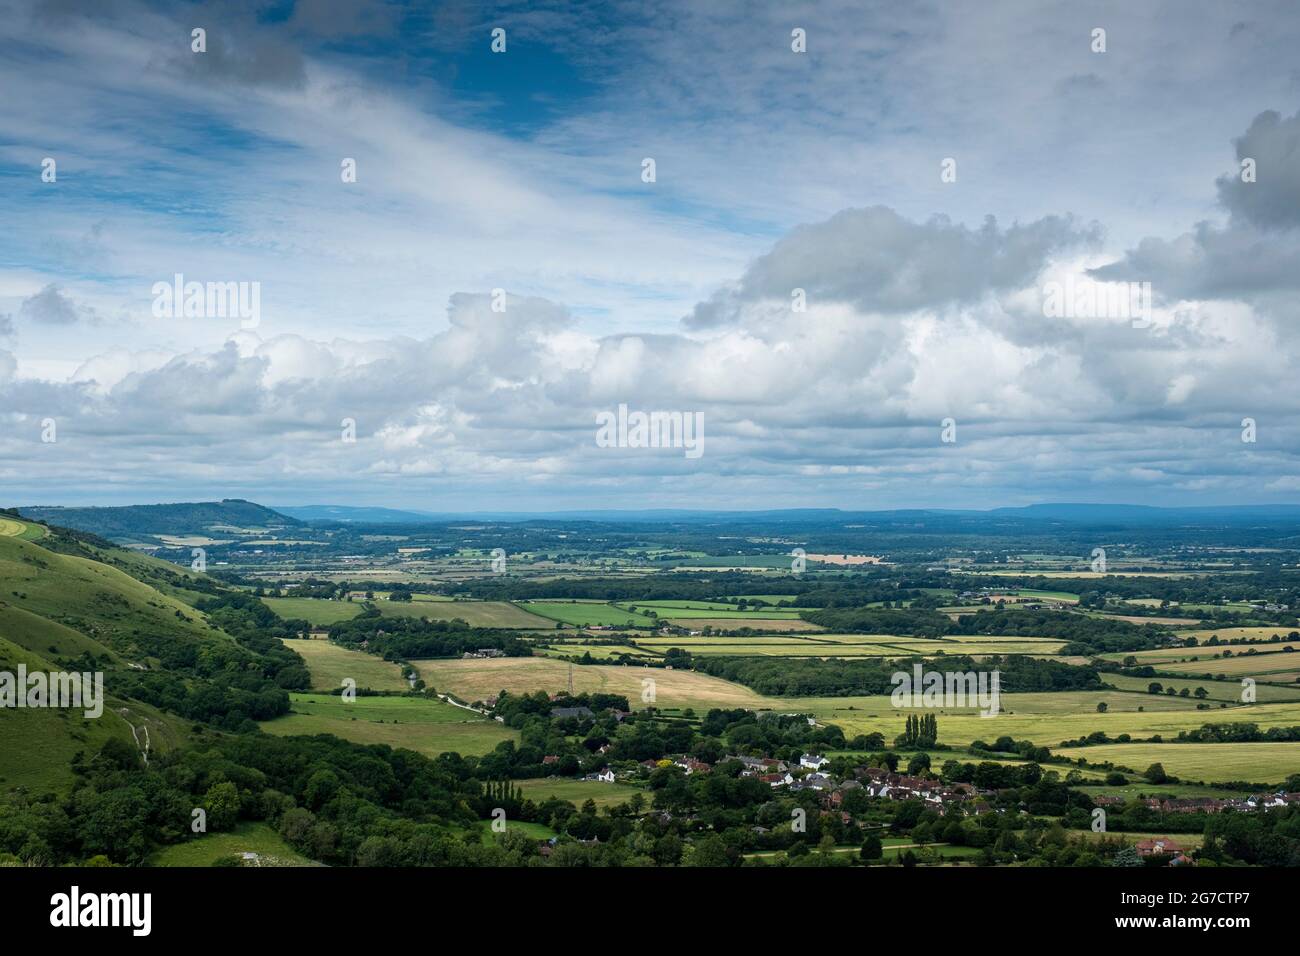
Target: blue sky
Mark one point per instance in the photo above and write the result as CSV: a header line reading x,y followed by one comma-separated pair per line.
x,y
775,170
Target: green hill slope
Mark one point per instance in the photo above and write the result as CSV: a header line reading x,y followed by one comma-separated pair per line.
x,y
76,608
103,603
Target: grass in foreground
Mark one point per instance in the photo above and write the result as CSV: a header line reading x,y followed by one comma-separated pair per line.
x,y
247,837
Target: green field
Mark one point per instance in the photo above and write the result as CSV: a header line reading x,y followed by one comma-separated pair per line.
x,y
538,831
425,725
329,664
245,838
586,614
1164,656
1229,691
474,613
318,612
579,791
1272,666
1141,789
689,610
1214,763
1226,634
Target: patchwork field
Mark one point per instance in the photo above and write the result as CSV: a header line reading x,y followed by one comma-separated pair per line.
x,y
425,725
478,679
1045,719
330,665
846,645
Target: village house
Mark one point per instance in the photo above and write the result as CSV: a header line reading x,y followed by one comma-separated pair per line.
x,y
691,765
580,713
813,761
1163,846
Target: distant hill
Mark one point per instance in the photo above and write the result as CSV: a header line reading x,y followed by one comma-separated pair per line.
x,y
357,515
1150,514
1047,514
132,521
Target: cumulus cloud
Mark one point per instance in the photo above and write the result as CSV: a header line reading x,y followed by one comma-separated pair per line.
x,y
51,306
877,261
1272,199
848,395
1254,256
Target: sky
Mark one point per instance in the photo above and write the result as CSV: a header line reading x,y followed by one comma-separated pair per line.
x,y
881,255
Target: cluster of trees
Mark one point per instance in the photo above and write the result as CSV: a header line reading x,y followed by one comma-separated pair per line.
x,y
328,798
405,638
1246,732
921,731
882,620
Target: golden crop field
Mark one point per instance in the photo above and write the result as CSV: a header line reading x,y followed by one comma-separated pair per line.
x,y
478,679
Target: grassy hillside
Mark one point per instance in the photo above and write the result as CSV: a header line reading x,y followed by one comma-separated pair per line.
x,y
62,609
41,744
101,602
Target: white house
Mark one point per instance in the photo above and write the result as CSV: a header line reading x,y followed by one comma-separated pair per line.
x,y
813,761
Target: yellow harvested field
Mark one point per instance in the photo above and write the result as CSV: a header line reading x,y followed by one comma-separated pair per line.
x,y
478,679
